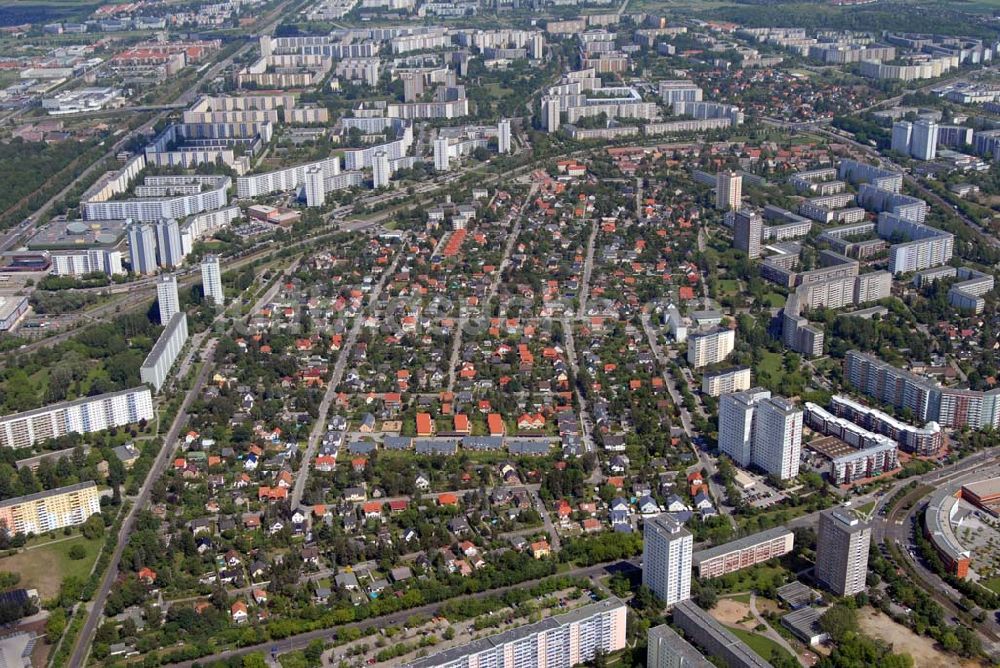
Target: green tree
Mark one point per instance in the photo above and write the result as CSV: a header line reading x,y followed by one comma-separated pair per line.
x,y
55,625
838,621
255,660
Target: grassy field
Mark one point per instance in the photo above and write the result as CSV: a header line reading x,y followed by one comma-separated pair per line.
x,y
993,584
44,567
772,363
729,286
774,300
763,646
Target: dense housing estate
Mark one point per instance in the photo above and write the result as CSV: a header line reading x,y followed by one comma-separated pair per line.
x,y
459,320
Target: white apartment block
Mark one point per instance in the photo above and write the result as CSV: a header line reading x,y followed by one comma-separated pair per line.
x,y
142,249
362,158
282,180
561,640
315,186
927,246
928,69
777,442
666,559
925,140
736,411
728,190
211,280
679,90
726,382
855,172
503,136
441,154
89,261
968,293
365,70
710,347
902,137
169,250
412,110
167,298
81,416
161,358
842,552
760,430
748,228
706,110
157,208
381,170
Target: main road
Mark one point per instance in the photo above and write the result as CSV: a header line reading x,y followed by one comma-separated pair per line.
x,y
302,640
94,613
12,237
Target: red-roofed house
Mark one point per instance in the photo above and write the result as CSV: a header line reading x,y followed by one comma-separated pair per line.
x,y
495,423
425,426
373,510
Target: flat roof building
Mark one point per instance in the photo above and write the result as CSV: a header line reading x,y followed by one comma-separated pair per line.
x,y
47,511
743,552
666,557
942,509
666,649
81,416
714,638
842,551
562,640
161,358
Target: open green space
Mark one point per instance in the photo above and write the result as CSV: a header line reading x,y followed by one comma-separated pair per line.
x,y
771,363
993,584
44,568
729,286
762,645
774,300
758,578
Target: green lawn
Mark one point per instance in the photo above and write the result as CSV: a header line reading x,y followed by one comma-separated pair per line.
x,y
993,584
774,300
43,568
729,286
763,646
772,363
867,508
741,598
756,577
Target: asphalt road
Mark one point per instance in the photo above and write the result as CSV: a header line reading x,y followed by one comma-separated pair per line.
x,y
898,526
12,237
302,640
96,609
343,357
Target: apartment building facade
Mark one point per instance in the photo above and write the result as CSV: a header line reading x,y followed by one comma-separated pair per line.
x,y
81,416
743,552
48,511
563,640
